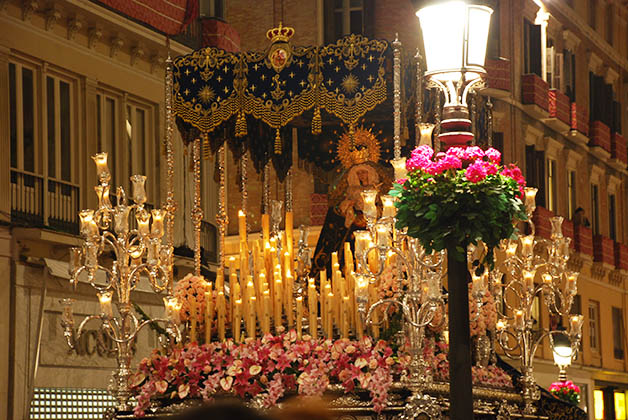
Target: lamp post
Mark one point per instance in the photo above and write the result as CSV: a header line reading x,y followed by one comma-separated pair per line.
x,y
455,35
562,355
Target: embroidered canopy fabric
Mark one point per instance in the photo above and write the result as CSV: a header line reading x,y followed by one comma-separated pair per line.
x,y
212,86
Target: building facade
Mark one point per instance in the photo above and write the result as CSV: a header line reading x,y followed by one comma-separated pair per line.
x,y
78,77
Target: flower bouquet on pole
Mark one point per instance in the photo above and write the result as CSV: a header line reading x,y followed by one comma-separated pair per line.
x,y
452,199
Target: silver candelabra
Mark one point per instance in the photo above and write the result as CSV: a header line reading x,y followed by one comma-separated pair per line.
x,y
123,255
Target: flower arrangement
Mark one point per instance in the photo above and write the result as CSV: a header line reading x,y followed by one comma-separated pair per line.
x,y
453,199
566,390
484,317
266,368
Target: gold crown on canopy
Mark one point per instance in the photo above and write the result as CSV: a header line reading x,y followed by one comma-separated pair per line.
x,y
281,33
359,146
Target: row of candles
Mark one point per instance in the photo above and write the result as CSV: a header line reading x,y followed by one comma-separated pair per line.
x,y
260,294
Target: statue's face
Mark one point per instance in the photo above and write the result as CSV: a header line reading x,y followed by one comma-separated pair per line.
x,y
363,175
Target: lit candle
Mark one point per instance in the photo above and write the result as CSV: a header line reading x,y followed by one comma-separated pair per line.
x,y
478,285
143,220
251,317
88,225
266,319
571,282
547,279
399,166
575,323
266,228
312,300
511,250
157,228
330,314
527,246
383,235
501,325
209,314
519,320
388,203
221,315
299,316
289,231
172,307
369,197
242,225
530,193
105,303
528,279
100,159
344,317
237,308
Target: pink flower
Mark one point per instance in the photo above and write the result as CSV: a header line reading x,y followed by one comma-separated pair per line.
x,y
473,153
476,172
401,181
494,155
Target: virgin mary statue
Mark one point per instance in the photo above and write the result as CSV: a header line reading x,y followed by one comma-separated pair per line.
x,y
359,154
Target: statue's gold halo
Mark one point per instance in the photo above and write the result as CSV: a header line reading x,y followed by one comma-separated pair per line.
x,y
363,147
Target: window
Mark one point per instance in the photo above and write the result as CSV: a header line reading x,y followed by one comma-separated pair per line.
x,y
609,23
23,126
620,405
618,333
602,107
493,46
595,208
535,172
59,109
594,326
345,17
551,185
569,75
212,8
612,217
593,13
598,404
531,48
571,193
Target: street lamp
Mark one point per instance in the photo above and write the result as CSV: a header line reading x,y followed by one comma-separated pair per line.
x,y
563,352
455,35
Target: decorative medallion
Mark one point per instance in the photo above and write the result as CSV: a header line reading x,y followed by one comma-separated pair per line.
x,y
280,50
206,94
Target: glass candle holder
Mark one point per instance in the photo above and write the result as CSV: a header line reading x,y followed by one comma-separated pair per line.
x,y
76,257
399,166
557,227
157,227
368,197
143,220
102,170
121,219
139,189
105,303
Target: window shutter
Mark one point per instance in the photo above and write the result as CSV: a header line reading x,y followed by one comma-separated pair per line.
x,y
535,50
559,75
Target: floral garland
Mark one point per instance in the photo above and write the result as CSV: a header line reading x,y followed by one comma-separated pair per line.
x,y
457,198
567,391
266,368
484,318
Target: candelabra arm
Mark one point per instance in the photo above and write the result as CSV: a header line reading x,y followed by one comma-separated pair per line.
x,y
71,336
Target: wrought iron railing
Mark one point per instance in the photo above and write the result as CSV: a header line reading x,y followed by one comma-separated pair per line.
x,y
209,242
27,198
63,206
55,206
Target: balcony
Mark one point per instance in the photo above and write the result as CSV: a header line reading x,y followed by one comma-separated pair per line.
x,y
618,150
559,111
497,78
600,142
579,124
534,96
621,256
55,207
603,250
568,232
583,240
542,223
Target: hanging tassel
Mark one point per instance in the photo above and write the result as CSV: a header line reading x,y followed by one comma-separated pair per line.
x,y
278,143
206,149
241,129
316,121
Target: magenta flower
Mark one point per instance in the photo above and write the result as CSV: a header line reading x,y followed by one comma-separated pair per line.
x,y
476,172
494,155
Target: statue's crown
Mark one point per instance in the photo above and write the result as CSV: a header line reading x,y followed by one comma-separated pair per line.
x,y
281,33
